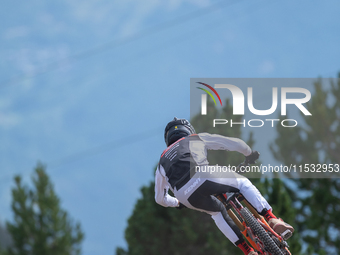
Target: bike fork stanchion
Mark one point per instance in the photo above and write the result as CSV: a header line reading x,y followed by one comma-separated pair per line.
x,y
223,199
236,220
252,209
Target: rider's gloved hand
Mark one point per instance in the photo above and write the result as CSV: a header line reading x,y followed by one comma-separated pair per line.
x,y
251,159
180,206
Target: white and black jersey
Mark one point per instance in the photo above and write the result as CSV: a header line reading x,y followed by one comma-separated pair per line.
x,y
179,158
173,172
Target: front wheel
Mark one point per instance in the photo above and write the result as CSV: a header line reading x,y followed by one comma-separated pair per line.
x,y
260,232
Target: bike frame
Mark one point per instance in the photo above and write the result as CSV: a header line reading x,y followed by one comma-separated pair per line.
x,y
233,205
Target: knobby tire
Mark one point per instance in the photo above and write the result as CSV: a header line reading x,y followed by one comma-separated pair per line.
x,y
260,232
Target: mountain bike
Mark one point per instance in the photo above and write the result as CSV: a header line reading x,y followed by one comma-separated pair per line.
x,y
253,226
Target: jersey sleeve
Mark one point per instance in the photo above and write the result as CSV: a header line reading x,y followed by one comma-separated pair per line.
x,y
219,142
161,191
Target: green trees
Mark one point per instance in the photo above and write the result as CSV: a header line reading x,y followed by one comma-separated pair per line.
x,y
40,226
5,239
153,229
317,141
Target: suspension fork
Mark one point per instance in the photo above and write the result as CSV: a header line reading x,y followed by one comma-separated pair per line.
x,y
223,199
232,202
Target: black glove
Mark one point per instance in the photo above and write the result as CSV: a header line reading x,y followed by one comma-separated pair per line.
x,y
181,206
251,159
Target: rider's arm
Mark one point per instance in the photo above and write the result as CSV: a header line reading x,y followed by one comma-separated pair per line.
x,y
161,191
219,142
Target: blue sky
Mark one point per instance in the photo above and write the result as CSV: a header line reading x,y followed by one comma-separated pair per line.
x,y
54,105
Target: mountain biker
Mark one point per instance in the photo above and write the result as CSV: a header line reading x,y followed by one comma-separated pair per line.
x,y
186,150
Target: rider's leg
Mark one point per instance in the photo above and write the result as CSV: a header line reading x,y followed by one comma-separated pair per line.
x,y
235,183
199,199
251,194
